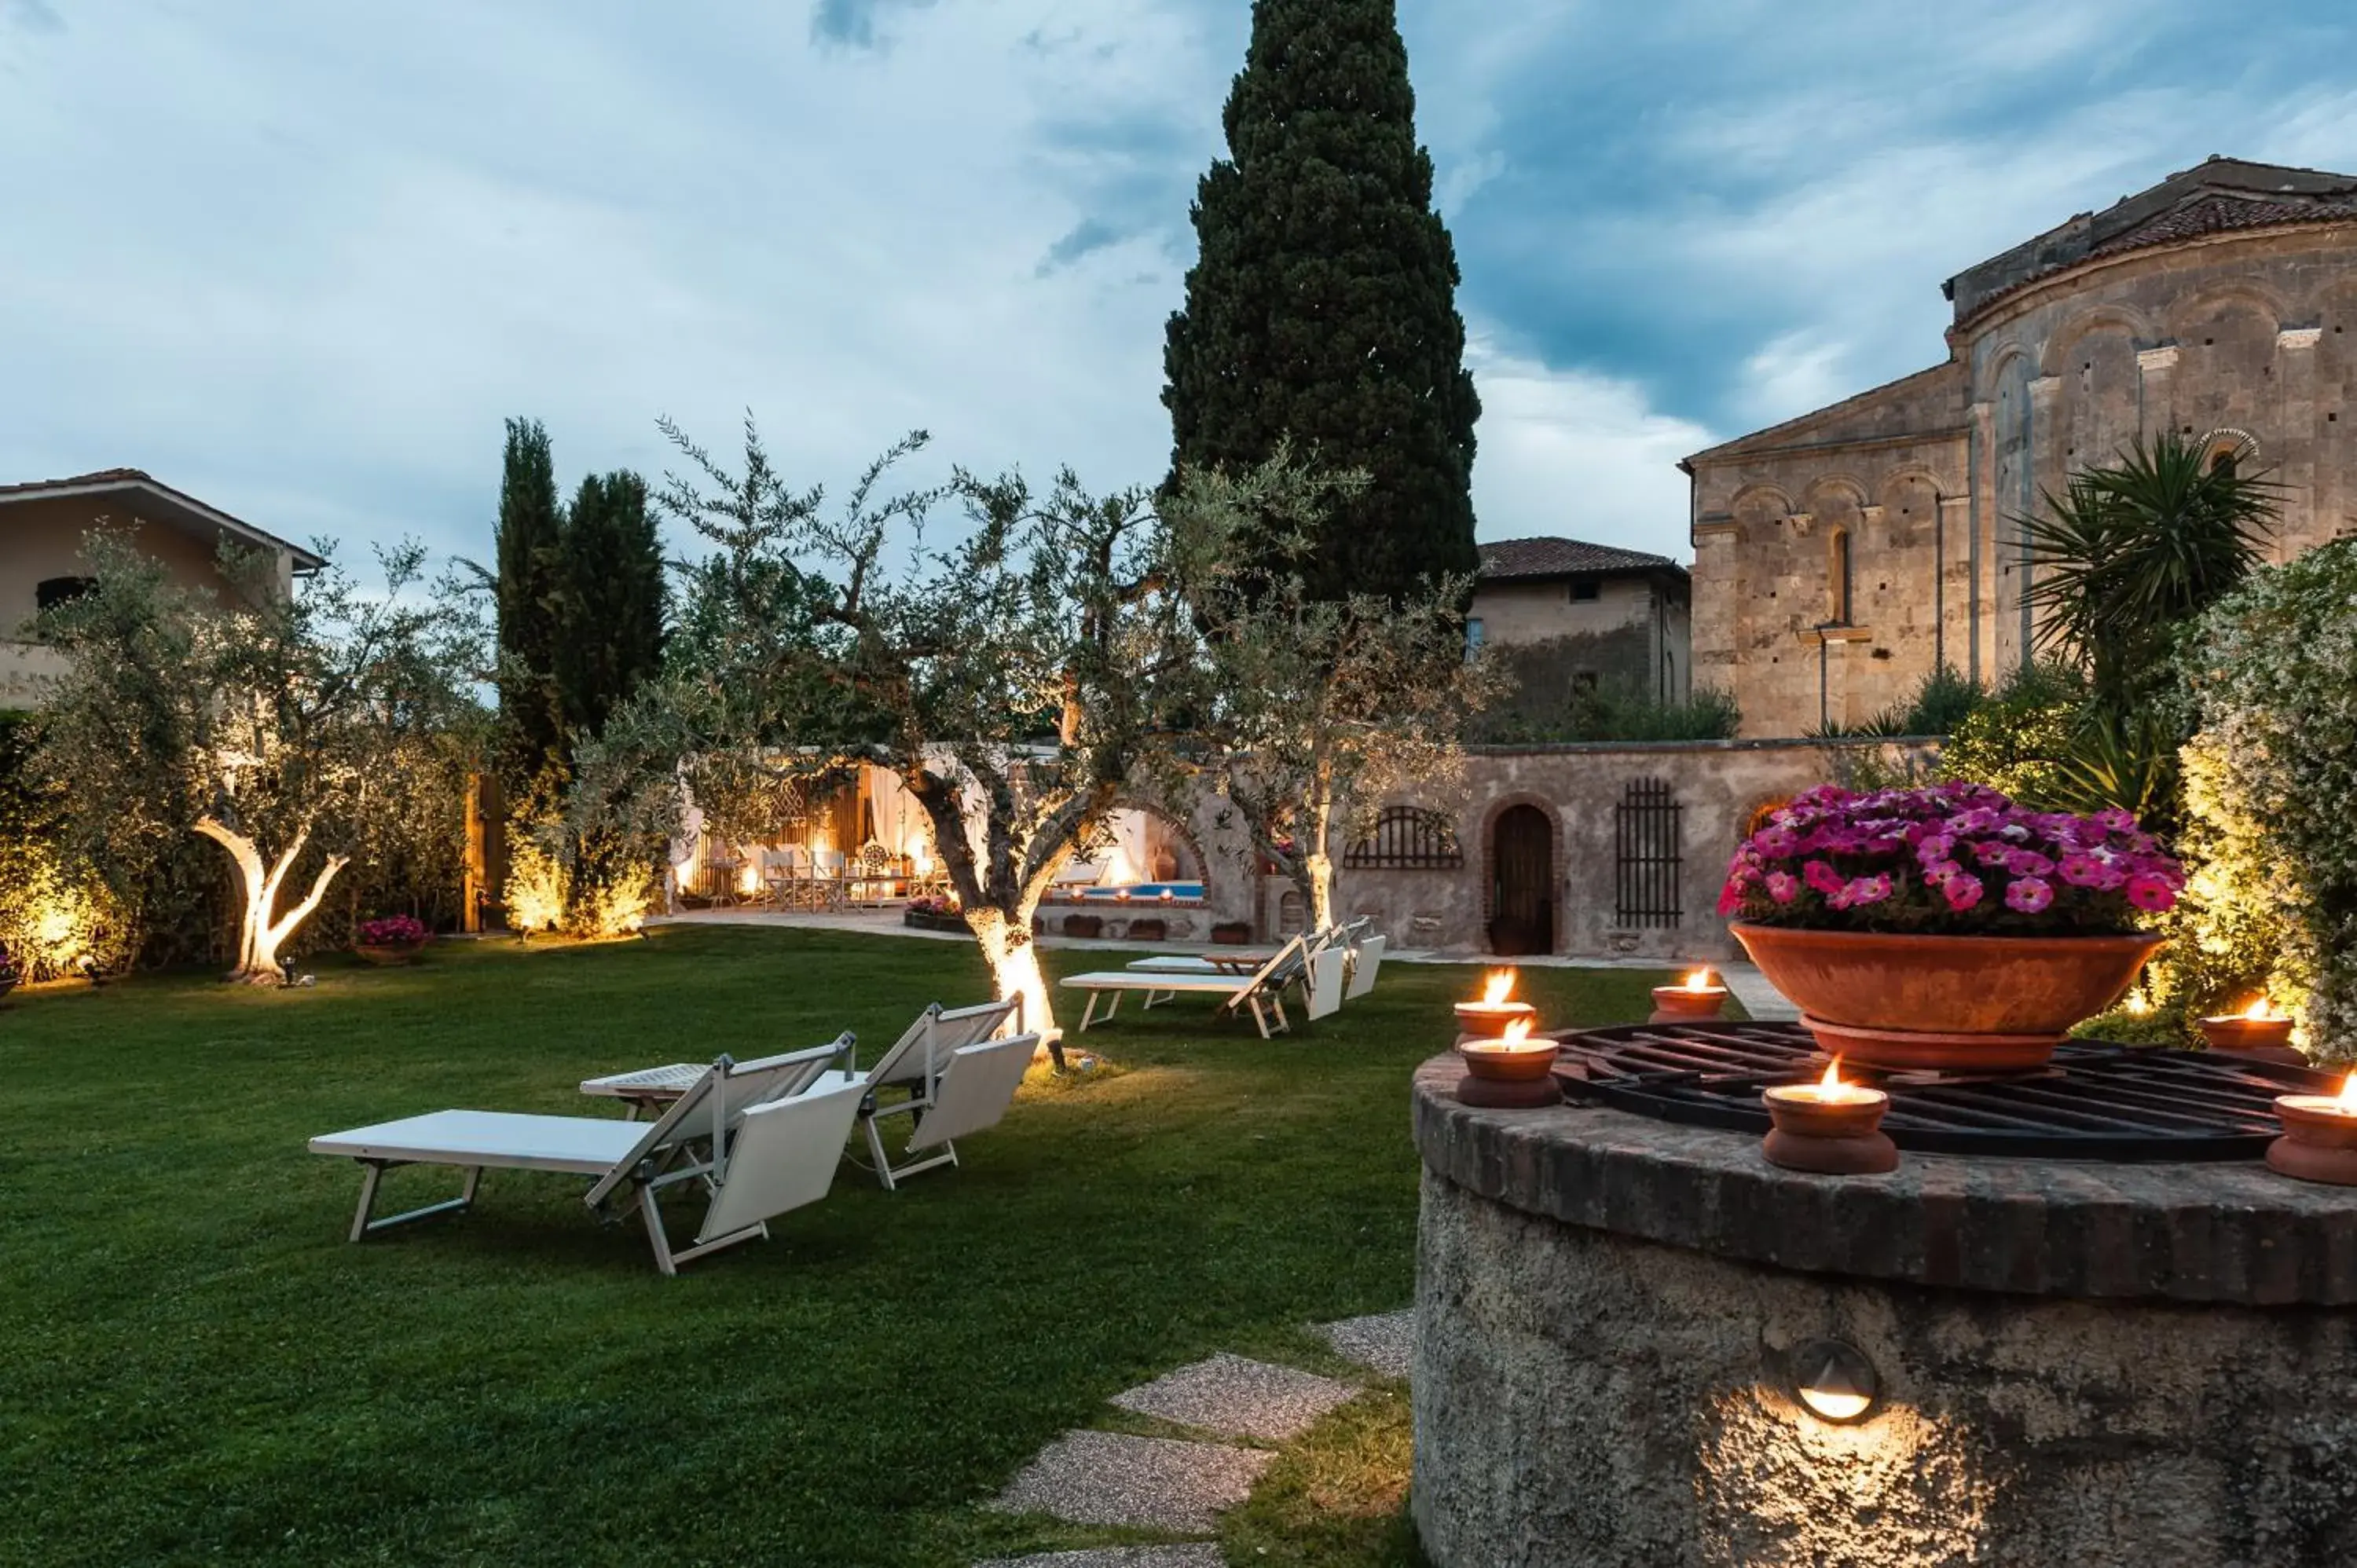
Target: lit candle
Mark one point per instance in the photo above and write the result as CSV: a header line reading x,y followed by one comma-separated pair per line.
x,y
1512,1057
1486,1018
2319,1140
1829,1127
2260,1027
1699,997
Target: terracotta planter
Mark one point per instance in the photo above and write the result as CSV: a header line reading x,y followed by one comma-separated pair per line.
x,y
388,952
1955,1004
1232,933
1677,1004
1152,929
1083,925
1529,1061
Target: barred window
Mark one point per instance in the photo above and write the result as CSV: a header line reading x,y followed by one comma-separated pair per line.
x,y
1406,838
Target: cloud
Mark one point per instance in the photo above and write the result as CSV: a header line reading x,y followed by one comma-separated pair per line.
x,y
1568,452
32,16
853,23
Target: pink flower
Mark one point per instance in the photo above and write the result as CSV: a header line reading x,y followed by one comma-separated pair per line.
x,y
1783,887
1962,891
1731,898
2118,821
2081,870
2029,894
1863,890
2150,891
2029,863
1936,874
1822,877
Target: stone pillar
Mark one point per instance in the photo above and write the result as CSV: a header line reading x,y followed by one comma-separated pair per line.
x,y
2299,426
2156,380
1953,596
1980,648
2047,440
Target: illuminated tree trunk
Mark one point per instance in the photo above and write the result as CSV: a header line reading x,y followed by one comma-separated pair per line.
x,y
259,932
1318,863
1012,953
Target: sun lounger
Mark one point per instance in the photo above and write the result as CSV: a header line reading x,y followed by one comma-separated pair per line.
x,y
741,1133
1366,961
973,1091
1259,993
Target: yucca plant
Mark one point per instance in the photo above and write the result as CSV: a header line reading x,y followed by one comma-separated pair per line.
x,y
2127,554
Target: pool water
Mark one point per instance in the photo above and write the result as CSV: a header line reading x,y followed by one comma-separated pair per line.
x,y
1138,890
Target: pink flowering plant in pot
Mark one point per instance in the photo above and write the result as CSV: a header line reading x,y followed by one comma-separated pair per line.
x,y
1946,927
392,938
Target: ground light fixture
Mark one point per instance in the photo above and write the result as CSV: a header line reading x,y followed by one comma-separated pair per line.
x,y
1834,1381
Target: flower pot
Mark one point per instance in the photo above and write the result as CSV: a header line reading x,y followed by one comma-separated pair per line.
x,y
1083,925
1154,930
1953,1004
388,952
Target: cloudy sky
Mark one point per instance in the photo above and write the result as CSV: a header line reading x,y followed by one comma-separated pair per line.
x,y
301,259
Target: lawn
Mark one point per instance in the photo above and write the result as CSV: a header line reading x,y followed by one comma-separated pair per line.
x,y
199,1366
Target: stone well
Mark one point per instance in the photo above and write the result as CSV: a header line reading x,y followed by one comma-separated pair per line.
x,y
2085,1365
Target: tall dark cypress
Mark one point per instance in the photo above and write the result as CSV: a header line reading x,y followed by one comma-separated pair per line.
x,y
529,537
610,629
1323,305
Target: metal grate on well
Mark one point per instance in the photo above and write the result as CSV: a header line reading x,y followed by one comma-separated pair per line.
x,y
2094,1101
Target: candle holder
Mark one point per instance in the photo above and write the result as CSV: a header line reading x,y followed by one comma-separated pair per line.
x,y
2258,1033
1694,1002
1513,1073
2319,1140
1829,1128
1488,1020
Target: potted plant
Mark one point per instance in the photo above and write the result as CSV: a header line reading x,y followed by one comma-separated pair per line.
x,y
1946,927
1085,925
394,939
930,914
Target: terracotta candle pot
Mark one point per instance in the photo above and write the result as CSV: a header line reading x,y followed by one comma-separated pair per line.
x,y
1515,1072
1696,1000
1829,1127
1487,1020
2319,1140
2258,1030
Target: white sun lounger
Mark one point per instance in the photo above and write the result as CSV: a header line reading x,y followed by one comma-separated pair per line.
x,y
756,1147
1261,992
972,1092
1366,961
1350,935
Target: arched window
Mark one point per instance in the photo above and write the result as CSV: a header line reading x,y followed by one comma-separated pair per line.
x,y
1838,571
2226,451
1406,838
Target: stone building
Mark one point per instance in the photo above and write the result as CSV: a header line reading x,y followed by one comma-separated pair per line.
x,y
1569,614
1842,556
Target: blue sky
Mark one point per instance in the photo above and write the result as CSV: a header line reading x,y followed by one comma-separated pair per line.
x,y
301,260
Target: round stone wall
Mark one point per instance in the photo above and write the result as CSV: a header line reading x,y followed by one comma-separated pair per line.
x,y
1599,1382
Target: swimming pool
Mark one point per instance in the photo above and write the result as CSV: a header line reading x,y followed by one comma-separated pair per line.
x,y
1145,890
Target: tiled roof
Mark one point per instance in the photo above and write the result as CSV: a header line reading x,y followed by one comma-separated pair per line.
x,y
178,506
2220,214
1564,558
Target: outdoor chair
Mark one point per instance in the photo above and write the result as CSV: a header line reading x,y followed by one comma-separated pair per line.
x,y
1261,992
829,887
760,1137
1366,959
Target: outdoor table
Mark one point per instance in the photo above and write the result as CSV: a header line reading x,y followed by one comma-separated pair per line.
x,y
1235,961
650,1088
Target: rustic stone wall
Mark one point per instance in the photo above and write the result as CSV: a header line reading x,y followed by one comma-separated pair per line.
x,y
1588,1395
1923,478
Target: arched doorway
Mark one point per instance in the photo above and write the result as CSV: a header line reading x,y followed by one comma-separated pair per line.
x,y
1522,883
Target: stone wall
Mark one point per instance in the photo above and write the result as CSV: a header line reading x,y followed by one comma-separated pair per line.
x,y
1922,480
1717,785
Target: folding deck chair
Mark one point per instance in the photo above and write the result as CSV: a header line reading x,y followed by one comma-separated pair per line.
x,y
1261,992
1216,962
1366,961
761,1137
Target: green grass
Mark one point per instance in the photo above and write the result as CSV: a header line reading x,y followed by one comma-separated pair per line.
x,y
197,1367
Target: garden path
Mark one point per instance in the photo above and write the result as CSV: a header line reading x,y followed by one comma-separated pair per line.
x,y
1182,1485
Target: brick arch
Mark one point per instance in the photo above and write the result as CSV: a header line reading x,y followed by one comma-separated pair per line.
x,y
2141,329
1184,832
1557,862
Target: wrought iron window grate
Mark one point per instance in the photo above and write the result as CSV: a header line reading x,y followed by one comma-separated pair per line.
x,y
1648,829
1406,838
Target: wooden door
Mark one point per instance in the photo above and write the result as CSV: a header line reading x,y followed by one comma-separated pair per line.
x,y
1522,883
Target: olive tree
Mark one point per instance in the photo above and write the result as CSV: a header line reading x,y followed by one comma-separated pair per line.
x,y
1314,713
1016,668
280,724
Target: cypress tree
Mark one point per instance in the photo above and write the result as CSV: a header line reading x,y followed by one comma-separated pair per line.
x,y
528,540
610,633
1323,303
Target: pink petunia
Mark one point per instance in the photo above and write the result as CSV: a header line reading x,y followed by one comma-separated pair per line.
x,y
2151,892
2029,863
1731,898
2029,894
1960,891
1822,877
1783,887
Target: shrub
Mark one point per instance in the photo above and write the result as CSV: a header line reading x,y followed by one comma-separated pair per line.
x,y
2015,737
1955,859
2270,775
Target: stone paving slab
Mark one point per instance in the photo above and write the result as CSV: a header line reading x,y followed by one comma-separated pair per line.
x,y
1151,1483
1192,1555
1383,1343
1238,1398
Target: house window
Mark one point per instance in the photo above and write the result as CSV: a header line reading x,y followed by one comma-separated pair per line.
x,y
51,592
1406,838
1584,590
1838,571
1473,635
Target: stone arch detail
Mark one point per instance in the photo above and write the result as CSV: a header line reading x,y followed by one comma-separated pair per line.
x,y
1941,489
1827,484
2140,328
1183,829
2001,363
2190,311
1557,865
